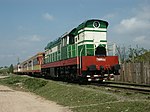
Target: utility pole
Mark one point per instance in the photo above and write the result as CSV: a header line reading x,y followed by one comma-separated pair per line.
x,y
114,49
18,60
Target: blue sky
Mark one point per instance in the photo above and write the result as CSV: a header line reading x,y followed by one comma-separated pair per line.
x,y
26,26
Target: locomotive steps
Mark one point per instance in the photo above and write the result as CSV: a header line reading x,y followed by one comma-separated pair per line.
x,y
85,98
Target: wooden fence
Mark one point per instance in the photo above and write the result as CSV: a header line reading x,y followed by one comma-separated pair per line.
x,y
138,73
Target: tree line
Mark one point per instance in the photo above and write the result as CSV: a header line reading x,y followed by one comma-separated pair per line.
x,y
6,69
129,54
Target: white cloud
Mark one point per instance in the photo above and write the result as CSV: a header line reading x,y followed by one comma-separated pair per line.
x,y
139,39
142,40
6,55
135,29
29,38
109,16
133,24
144,13
35,38
20,27
48,17
138,23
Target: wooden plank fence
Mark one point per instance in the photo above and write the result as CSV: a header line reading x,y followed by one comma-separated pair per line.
x,y
138,73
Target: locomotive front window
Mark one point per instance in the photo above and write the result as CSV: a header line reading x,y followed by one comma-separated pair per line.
x,y
100,51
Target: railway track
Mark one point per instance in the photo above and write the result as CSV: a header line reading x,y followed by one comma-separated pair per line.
x,y
136,87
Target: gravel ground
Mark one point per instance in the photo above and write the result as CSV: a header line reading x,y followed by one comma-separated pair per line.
x,y
17,101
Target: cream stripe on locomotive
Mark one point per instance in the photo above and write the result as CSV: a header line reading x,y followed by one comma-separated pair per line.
x,y
92,30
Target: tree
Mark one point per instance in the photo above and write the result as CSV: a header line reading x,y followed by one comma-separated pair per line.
x,y
122,53
4,70
143,57
135,52
131,54
11,68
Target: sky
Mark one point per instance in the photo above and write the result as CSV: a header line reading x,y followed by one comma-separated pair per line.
x,y
27,26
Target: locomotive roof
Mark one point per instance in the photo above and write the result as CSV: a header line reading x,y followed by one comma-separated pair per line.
x,y
89,23
53,43
85,23
104,24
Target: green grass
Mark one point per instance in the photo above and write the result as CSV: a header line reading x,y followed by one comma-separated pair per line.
x,y
72,95
126,106
80,98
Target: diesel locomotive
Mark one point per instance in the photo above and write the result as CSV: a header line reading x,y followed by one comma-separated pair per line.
x,y
81,54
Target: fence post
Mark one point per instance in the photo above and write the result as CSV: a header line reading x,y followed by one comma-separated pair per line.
x,y
135,73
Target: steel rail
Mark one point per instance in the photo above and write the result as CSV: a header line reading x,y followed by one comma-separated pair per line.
x,y
136,87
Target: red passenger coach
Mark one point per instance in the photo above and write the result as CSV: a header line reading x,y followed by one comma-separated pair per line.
x,y
30,66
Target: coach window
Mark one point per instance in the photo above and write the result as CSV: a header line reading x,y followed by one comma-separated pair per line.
x,y
65,40
29,63
76,39
71,39
35,61
62,42
59,46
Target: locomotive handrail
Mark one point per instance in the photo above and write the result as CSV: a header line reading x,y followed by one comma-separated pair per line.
x,y
81,56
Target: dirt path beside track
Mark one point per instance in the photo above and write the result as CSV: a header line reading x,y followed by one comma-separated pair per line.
x,y
17,101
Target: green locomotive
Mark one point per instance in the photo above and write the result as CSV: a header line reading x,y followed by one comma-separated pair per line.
x,y
82,52
86,40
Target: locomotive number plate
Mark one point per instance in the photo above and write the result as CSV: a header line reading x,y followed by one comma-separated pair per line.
x,y
101,59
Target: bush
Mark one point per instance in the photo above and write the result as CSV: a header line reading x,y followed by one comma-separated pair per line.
x,y
32,83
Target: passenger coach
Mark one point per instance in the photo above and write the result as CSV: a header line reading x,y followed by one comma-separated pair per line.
x,y
30,66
